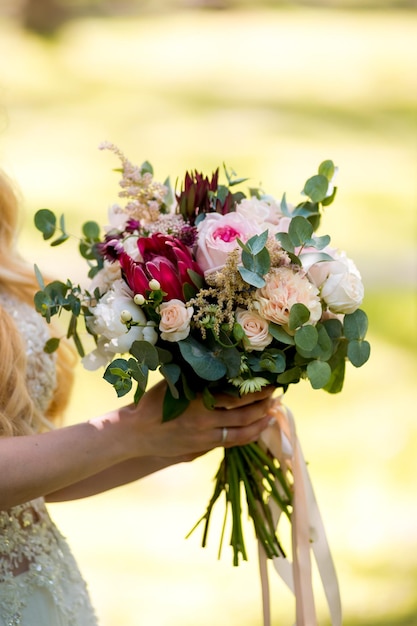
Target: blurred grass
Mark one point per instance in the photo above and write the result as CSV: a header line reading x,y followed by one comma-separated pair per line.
x,y
271,93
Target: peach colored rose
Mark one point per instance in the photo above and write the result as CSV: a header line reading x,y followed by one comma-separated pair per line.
x,y
175,320
217,237
285,287
255,328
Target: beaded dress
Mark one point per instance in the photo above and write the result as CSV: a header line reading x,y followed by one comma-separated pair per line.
x,y
40,583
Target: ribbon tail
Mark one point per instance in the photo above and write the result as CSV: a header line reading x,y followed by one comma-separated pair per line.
x,y
266,605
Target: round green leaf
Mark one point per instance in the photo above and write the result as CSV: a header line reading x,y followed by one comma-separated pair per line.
x,y
326,168
355,325
319,373
91,230
358,352
306,338
300,230
299,315
316,187
202,360
45,221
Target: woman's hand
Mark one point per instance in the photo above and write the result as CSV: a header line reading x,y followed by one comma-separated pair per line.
x,y
234,422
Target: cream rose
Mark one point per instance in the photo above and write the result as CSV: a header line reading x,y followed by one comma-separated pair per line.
x,y
255,328
339,281
175,320
217,237
283,289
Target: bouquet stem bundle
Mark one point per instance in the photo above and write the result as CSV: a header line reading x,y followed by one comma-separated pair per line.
x,y
253,472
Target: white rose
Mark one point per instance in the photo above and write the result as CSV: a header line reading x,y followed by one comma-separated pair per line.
x,y
106,319
175,320
339,281
105,278
255,328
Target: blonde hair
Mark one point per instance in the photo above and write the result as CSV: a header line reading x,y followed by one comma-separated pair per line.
x,y
18,413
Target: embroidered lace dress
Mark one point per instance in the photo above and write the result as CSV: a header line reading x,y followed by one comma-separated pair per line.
x,y
40,583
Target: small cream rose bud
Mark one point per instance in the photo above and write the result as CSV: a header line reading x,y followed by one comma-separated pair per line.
x,y
154,285
125,316
139,299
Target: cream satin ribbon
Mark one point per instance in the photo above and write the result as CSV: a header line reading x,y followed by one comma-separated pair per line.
x,y
307,527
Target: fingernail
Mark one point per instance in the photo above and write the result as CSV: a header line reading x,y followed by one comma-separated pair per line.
x,y
272,421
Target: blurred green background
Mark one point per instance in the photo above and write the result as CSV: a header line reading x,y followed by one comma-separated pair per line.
x,y
271,89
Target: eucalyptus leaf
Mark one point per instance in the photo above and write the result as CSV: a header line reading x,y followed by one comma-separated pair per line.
x,y
285,241
173,407
299,315
316,187
299,231
251,278
45,221
171,372
146,353
355,325
319,373
292,375
91,230
326,168
203,361
280,334
358,352
39,277
257,242
61,239
306,338
51,345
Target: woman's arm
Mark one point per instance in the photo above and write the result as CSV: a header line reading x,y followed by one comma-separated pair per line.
x,y
75,461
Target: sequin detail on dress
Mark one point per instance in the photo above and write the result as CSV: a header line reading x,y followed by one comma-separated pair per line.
x,y
35,559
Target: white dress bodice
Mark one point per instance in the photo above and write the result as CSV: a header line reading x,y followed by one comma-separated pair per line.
x,y
40,583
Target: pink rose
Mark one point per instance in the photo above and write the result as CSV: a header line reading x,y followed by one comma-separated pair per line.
x,y
255,328
217,235
175,320
285,287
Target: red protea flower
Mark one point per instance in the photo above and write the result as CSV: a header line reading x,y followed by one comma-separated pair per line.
x,y
166,259
201,195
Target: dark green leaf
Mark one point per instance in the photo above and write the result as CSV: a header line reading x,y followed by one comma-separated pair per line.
x,y
173,407
45,221
208,399
292,375
51,345
203,361
171,372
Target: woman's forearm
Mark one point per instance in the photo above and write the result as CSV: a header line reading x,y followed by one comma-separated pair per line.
x,y
36,465
120,474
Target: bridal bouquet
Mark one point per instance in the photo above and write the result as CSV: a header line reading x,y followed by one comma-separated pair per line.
x,y
218,288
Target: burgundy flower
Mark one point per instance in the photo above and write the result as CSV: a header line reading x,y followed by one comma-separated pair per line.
x,y
166,259
201,195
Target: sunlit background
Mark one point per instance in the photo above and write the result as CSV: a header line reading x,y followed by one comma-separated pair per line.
x,y
271,89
